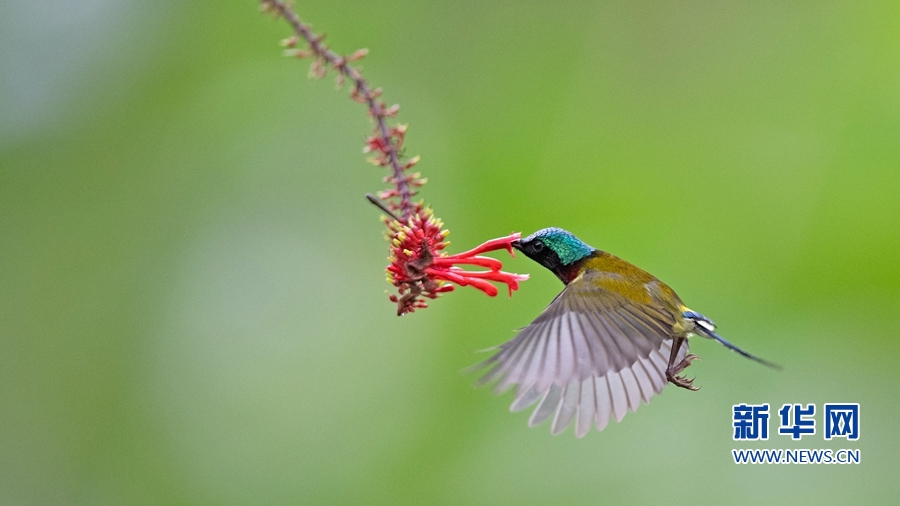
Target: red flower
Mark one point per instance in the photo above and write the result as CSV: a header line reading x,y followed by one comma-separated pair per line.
x,y
419,268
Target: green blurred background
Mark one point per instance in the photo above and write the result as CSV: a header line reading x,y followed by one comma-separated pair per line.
x,y
192,305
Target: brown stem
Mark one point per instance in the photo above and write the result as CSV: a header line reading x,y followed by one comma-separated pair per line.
x,y
376,109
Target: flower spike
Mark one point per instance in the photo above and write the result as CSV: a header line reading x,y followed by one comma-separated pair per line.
x,y
419,267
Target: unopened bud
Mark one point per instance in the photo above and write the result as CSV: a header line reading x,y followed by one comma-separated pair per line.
x,y
289,42
298,53
412,162
359,54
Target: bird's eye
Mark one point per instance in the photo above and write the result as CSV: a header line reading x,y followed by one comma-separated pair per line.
x,y
537,246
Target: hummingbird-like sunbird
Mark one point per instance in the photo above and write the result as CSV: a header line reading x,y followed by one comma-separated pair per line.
x,y
614,336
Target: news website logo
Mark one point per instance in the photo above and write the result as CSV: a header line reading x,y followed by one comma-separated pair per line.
x,y
839,420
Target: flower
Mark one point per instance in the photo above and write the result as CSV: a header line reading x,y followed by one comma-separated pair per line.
x,y
420,268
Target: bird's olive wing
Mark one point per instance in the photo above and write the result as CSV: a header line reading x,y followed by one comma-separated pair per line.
x,y
591,353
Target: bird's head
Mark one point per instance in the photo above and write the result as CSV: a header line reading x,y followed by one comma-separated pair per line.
x,y
554,248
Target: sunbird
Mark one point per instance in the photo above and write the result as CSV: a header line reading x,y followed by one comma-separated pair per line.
x,y
615,335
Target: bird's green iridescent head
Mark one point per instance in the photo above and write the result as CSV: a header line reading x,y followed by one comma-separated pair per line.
x,y
553,248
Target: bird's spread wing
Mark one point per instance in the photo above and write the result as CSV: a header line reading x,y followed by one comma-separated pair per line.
x,y
591,354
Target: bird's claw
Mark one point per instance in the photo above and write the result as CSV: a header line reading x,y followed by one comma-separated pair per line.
x,y
681,381
685,362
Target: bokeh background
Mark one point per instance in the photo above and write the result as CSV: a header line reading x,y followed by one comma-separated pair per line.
x,y
192,305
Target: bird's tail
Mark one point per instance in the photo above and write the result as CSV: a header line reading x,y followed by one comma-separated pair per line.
x,y
706,327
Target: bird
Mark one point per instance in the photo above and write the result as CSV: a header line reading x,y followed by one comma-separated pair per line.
x,y
614,336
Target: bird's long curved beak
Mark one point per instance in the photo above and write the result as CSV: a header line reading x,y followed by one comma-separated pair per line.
x,y
516,244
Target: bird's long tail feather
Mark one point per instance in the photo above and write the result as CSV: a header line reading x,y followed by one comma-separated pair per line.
x,y
727,344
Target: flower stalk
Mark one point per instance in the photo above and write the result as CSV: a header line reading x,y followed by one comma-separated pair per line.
x,y
386,141
419,268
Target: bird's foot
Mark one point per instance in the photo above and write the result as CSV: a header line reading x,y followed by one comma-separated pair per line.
x,y
681,381
685,362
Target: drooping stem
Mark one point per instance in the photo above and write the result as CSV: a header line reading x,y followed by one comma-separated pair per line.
x,y
363,91
419,268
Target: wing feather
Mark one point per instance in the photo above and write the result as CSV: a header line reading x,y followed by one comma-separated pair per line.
x,y
567,407
587,407
518,362
643,380
526,399
604,401
590,355
632,388
547,406
619,397
567,369
550,363
609,336
603,360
